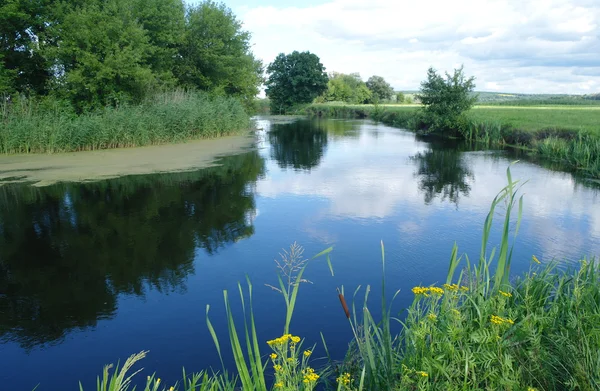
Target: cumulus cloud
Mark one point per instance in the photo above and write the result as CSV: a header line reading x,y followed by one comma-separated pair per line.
x,y
517,46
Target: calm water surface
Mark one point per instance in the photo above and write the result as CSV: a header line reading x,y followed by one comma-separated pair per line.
x,y
91,273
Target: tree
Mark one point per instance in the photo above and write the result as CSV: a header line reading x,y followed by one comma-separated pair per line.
x,y
103,55
346,88
445,101
400,97
216,54
380,88
295,78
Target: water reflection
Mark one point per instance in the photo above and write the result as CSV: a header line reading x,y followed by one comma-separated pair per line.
x,y
443,172
68,251
299,145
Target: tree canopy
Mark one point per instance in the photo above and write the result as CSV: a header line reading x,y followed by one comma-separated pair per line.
x,y
445,101
347,88
380,89
107,52
295,78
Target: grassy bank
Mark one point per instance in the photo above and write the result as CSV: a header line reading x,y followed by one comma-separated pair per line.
x,y
481,329
570,135
49,126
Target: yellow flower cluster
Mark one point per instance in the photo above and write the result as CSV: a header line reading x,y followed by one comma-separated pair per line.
x,y
283,339
432,317
277,367
279,385
273,356
455,287
307,353
499,320
344,379
421,373
531,389
505,294
310,375
420,290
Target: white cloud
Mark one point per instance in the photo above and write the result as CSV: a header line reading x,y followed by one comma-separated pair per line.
x,y
517,46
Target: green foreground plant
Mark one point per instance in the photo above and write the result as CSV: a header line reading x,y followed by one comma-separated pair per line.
x,y
479,331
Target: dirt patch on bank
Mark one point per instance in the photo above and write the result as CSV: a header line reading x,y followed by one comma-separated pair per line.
x,y
43,170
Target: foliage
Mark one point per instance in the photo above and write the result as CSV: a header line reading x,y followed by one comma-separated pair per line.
x,y
294,79
108,53
381,89
445,101
216,53
346,88
400,97
28,126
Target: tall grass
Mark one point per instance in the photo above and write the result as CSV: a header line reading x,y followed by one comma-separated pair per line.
x,y
483,329
34,127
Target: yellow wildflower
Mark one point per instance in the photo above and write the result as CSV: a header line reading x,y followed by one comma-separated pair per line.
x,y
505,294
451,287
531,389
436,290
158,380
464,288
273,356
171,389
421,373
307,353
535,259
310,375
278,385
290,359
295,339
344,379
432,317
277,368
500,320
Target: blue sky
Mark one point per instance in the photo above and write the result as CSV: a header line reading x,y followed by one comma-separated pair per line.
x,y
527,46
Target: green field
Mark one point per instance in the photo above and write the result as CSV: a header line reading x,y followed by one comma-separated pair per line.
x,y
584,118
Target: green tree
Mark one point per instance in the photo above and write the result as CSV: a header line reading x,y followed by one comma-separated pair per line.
x,y
103,55
164,23
380,89
23,26
295,78
346,88
216,54
446,100
399,97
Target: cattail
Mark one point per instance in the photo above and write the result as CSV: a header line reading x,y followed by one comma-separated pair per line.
x,y
344,306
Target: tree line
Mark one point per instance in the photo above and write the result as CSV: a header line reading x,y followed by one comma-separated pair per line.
x,y
95,53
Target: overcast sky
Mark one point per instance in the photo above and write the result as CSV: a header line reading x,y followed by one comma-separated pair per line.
x,y
526,46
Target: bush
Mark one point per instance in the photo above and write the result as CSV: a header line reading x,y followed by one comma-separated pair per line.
x,y
445,102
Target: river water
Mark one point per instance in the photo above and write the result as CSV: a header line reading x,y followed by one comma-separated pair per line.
x,y
93,272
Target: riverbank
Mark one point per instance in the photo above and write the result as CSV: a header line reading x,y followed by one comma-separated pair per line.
x,y
51,126
46,169
570,135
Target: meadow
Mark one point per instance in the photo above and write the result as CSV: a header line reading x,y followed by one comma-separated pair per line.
x,y
49,126
480,329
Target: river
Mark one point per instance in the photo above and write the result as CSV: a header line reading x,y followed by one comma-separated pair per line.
x,y
93,272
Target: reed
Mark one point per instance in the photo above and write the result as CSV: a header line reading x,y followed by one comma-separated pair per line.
x,y
49,127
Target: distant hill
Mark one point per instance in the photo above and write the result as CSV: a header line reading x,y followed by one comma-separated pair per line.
x,y
506,98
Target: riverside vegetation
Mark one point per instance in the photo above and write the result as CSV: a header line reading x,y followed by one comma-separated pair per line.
x,y
83,75
481,329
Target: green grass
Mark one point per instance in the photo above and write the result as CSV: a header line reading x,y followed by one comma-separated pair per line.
x,y
51,126
482,330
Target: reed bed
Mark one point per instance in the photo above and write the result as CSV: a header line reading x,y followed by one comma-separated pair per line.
x,y
49,127
483,329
